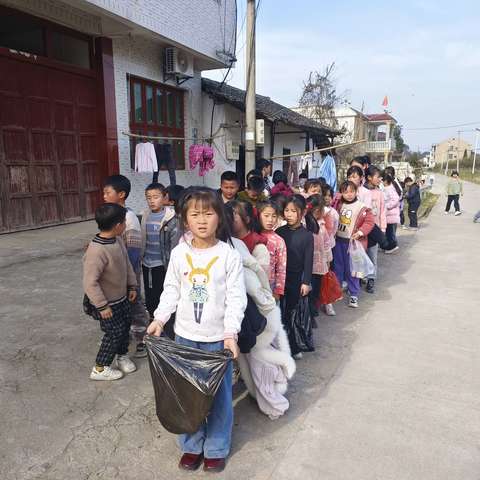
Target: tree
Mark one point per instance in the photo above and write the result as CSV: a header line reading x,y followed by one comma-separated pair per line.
x,y
319,97
401,147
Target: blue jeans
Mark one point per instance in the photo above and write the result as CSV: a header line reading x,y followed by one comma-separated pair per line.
x,y
214,437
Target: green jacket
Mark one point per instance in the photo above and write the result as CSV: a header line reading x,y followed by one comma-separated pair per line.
x,y
454,187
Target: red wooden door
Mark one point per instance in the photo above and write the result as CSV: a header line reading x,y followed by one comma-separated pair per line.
x,y
49,165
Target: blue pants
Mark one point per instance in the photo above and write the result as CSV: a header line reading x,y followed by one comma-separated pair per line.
x,y
214,437
341,261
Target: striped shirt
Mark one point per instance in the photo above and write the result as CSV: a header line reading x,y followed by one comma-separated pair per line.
x,y
152,256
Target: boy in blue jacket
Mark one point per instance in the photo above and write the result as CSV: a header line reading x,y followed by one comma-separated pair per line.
x,y
413,198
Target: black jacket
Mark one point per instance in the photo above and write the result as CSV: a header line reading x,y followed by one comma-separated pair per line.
x,y
413,196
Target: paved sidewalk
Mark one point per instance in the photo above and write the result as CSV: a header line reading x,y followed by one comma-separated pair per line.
x,y
391,392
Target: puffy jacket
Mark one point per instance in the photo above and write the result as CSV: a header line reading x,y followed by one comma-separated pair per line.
x,y
392,204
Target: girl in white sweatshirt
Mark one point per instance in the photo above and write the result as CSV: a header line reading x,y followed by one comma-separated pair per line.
x,y
205,286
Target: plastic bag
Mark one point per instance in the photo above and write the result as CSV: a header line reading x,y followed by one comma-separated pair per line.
x,y
360,264
299,327
330,289
185,381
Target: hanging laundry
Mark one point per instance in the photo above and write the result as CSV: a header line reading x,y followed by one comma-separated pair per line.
x,y
328,171
145,158
203,156
165,158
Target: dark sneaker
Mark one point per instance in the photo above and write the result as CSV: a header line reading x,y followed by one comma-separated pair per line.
x,y
370,286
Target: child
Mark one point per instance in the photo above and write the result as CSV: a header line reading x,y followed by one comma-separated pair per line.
x,y
322,248
332,220
313,186
299,242
268,219
454,190
372,184
414,200
356,222
280,202
356,175
281,184
172,195
229,186
245,227
109,283
116,190
392,204
205,286
159,236
254,191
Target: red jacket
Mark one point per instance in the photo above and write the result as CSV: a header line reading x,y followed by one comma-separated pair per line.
x,y
280,187
365,222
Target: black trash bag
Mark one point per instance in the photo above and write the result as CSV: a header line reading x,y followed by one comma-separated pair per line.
x,y
185,381
253,325
299,327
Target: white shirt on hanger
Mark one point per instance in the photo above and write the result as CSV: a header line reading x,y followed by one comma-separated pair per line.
x,y
145,158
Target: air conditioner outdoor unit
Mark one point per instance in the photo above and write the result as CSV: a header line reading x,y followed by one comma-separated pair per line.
x,y
178,62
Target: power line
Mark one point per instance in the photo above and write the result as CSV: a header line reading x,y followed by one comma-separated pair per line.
x,y
446,126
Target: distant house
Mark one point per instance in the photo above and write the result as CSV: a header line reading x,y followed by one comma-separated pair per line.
x,y
285,130
75,75
450,150
376,129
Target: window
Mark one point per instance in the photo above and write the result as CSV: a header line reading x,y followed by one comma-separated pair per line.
x,y
450,156
157,110
25,33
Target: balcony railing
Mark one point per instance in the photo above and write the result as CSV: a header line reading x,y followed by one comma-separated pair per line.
x,y
380,147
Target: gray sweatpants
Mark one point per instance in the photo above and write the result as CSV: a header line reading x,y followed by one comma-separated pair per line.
x,y
372,253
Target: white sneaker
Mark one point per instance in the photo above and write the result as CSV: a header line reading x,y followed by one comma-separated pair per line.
x,y
108,373
392,250
329,310
298,356
446,213
404,227
457,213
125,364
353,302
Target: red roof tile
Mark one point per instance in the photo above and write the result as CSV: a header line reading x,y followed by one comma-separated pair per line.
x,y
379,117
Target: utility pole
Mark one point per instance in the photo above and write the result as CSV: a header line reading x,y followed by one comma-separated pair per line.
x,y
250,112
475,151
458,152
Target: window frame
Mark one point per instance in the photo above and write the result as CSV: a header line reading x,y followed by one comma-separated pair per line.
x,y
156,129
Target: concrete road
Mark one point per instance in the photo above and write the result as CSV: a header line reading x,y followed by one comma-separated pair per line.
x,y
392,391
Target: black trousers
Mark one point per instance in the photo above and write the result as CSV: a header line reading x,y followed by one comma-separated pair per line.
x,y
153,280
412,215
376,236
456,203
314,295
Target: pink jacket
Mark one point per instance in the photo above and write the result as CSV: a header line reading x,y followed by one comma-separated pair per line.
x,y
378,208
392,204
278,261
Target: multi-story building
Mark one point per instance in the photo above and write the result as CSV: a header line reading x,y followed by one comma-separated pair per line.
x,y
449,151
78,75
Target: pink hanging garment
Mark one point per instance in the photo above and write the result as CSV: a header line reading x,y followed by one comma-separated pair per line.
x,y
195,155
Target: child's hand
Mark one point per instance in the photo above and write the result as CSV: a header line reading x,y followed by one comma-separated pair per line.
x,y
305,290
357,235
106,314
231,344
155,329
132,296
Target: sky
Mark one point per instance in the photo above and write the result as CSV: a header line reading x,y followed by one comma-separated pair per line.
x,y
423,54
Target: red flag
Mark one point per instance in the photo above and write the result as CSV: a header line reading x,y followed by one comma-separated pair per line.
x,y
385,101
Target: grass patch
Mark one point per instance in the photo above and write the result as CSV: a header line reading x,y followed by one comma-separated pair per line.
x,y
428,202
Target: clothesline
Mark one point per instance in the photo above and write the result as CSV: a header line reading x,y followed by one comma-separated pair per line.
x,y
324,149
151,137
